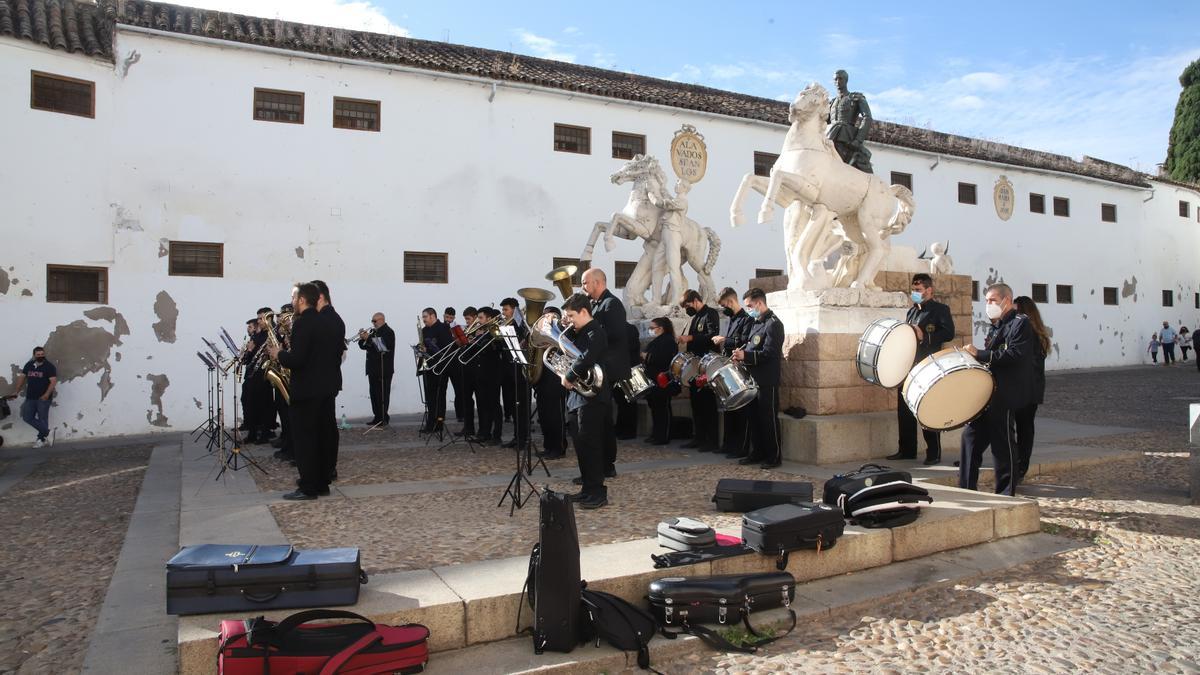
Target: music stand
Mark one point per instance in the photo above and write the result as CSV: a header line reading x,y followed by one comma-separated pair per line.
x,y
513,344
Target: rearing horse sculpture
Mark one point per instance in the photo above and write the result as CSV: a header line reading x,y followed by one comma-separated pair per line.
x,y
809,179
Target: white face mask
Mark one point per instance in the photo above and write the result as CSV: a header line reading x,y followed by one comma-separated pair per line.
x,y
993,311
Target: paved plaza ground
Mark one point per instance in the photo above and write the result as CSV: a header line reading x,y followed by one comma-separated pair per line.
x,y
77,527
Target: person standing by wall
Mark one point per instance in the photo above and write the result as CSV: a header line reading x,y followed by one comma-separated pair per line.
x,y
39,377
1153,348
1023,417
934,327
380,366
1167,338
763,357
1185,342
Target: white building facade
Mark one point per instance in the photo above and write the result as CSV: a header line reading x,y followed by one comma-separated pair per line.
x,y
462,165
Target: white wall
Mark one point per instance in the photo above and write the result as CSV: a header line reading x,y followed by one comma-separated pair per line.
x,y
174,154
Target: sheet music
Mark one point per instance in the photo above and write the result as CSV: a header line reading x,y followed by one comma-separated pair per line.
x,y
379,346
509,334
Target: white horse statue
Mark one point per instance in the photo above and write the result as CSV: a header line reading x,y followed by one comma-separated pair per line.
x,y
816,187
664,251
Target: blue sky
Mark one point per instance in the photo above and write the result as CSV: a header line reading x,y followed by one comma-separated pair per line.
x,y
1097,78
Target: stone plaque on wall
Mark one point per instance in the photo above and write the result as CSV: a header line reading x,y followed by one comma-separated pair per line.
x,y
1005,197
689,154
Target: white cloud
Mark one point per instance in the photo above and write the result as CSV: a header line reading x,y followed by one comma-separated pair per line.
x,y
350,14
727,71
898,96
686,73
570,30
968,102
544,47
984,81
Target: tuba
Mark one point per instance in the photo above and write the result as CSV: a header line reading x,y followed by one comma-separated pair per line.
x,y
561,276
275,373
558,353
535,302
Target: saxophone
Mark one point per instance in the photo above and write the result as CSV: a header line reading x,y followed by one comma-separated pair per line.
x,y
275,373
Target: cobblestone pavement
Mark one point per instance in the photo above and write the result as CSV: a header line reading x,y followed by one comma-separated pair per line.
x,y
61,531
1144,397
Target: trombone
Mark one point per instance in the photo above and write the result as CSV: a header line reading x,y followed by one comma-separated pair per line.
x,y
486,334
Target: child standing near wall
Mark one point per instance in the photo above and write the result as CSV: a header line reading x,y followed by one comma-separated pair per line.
x,y
1153,349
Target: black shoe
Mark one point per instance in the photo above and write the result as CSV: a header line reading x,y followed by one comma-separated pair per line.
x,y
610,473
509,444
333,476
278,442
769,465
374,422
690,445
648,439
659,442
707,448
467,433
900,455
930,461
592,502
323,492
557,455
627,437
283,456
266,436
734,455
299,496
748,460
576,496
578,480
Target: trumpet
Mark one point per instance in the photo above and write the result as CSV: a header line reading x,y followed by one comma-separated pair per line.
x,y
358,335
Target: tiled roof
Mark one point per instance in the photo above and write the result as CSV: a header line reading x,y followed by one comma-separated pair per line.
x,y
74,25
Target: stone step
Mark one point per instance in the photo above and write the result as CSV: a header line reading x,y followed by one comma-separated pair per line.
x,y
477,603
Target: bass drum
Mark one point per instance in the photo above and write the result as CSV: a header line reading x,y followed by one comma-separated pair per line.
x,y
636,385
684,368
886,351
948,389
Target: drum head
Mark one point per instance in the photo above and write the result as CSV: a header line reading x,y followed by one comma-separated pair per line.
x,y
711,363
896,356
948,389
734,387
685,367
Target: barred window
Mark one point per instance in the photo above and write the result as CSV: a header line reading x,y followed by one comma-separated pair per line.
x,y
352,113
426,268
625,146
1168,299
1040,293
1110,295
1064,294
623,270
763,161
904,179
966,193
1037,203
56,93
974,291
196,259
1184,208
279,106
70,283
572,139
581,267
1062,206
1108,213
764,272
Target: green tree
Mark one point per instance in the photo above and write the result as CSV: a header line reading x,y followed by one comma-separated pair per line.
x,y
1183,150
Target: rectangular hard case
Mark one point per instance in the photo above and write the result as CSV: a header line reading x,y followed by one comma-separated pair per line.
x,y
865,476
685,534
737,494
212,578
718,599
789,527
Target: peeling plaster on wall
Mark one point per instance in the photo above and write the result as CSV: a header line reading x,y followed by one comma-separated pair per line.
x,y
162,247
1129,288
993,277
120,327
117,356
167,312
1054,345
300,252
1084,316
78,416
3,282
197,402
158,385
122,221
78,349
26,293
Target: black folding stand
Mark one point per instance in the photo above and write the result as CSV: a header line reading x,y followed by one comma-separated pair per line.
x,y
524,446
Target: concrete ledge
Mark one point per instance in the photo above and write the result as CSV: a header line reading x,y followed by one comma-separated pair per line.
x,y
855,437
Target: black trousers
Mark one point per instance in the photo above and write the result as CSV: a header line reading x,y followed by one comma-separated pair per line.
x,y
1023,422
551,398
737,433
994,428
328,436
586,425
660,414
908,432
435,400
762,415
609,434
1168,353
1183,349
381,395
466,393
626,416
507,390
491,421
306,432
704,417
455,373
285,423
258,406
522,408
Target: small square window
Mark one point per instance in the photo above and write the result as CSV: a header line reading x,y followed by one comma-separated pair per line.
x,y
1108,213
1037,203
1110,295
1064,294
426,268
904,179
56,93
1184,208
1197,302
271,105
622,269
580,268
196,259
765,272
763,163
352,113
1040,293
625,146
1062,206
69,283
1168,299
966,193
974,291
572,139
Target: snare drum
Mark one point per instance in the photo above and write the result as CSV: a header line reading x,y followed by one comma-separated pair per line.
x,y
684,368
886,351
734,386
636,385
948,389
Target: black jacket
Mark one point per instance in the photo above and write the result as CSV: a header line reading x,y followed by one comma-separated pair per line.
x,y
609,311
659,353
375,365
1009,352
594,349
704,325
633,344
334,324
435,337
314,358
1039,376
764,350
257,341
737,333
935,321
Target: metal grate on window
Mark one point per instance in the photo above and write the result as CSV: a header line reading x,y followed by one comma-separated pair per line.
x,y
1039,293
196,259
623,270
279,106
1108,213
1062,206
1064,294
426,268
1184,208
62,94
763,162
625,146
76,284
1110,295
966,193
765,272
1168,299
904,179
572,139
974,291
1037,203
349,113
581,267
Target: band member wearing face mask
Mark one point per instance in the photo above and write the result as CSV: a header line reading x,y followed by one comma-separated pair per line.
x,y
934,327
657,360
40,378
698,340
736,443
763,356
1008,352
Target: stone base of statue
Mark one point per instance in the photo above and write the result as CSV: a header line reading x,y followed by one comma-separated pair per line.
x,y
848,419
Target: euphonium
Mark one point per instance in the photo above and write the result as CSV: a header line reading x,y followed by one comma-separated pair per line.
x,y
559,353
276,374
535,303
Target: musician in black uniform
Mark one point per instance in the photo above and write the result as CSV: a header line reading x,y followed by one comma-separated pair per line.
x,y
588,415
1008,351
658,357
253,381
704,326
763,357
380,367
454,371
284,442
434,336
551,402
315,361
466,381
487,371
332,322
934,327
609,311
514,386
626,428
736,443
